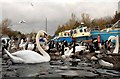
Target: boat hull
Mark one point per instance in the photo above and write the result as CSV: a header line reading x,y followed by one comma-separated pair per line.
x,y
104,35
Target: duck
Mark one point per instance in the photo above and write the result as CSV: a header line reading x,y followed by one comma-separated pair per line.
x,y
29,56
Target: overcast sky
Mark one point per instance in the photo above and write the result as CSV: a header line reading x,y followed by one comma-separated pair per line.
x,y
56,11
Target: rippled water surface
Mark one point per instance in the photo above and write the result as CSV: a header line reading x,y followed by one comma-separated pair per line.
x,y
56,70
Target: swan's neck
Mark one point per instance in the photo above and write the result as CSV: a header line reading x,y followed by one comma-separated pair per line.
x,y
8,53
67,52
116,50
21,41
46,55
104,63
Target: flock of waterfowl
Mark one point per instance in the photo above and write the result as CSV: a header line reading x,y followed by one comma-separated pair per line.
x,y
35,53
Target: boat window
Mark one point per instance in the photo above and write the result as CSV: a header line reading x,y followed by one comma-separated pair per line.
x,y
71,32
75,31
85,30
81,30
65,34
68,34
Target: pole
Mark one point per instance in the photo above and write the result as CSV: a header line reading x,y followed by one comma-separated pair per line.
x,y
46,25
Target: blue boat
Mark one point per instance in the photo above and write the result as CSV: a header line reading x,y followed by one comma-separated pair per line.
x,y
79,34
82,33
107,32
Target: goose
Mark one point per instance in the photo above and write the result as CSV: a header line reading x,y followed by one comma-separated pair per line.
x,y
29,56
111,60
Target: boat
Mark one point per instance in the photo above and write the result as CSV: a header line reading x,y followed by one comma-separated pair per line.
x,y
79,34
82,33
104,34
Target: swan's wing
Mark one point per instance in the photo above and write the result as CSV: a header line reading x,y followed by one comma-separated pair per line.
x,y
23,53
79,48
29,56
30,46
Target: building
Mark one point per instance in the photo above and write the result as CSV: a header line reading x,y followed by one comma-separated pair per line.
x,y
119,6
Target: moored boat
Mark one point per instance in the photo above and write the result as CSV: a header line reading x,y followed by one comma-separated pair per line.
x,y
79,34
107,32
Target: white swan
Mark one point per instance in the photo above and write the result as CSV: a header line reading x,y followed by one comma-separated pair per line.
x,y
78,49
68,52
30,46
116,50
28,56
23,45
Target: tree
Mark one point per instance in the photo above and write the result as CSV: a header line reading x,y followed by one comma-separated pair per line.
x,y
101,22
5,30
86,19
116,18
72,23
58,30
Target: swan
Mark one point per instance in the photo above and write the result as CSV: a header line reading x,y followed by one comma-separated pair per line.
x,y
111,61
31,46
29,56
27,45
78,48
116,50
22,44
68,52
